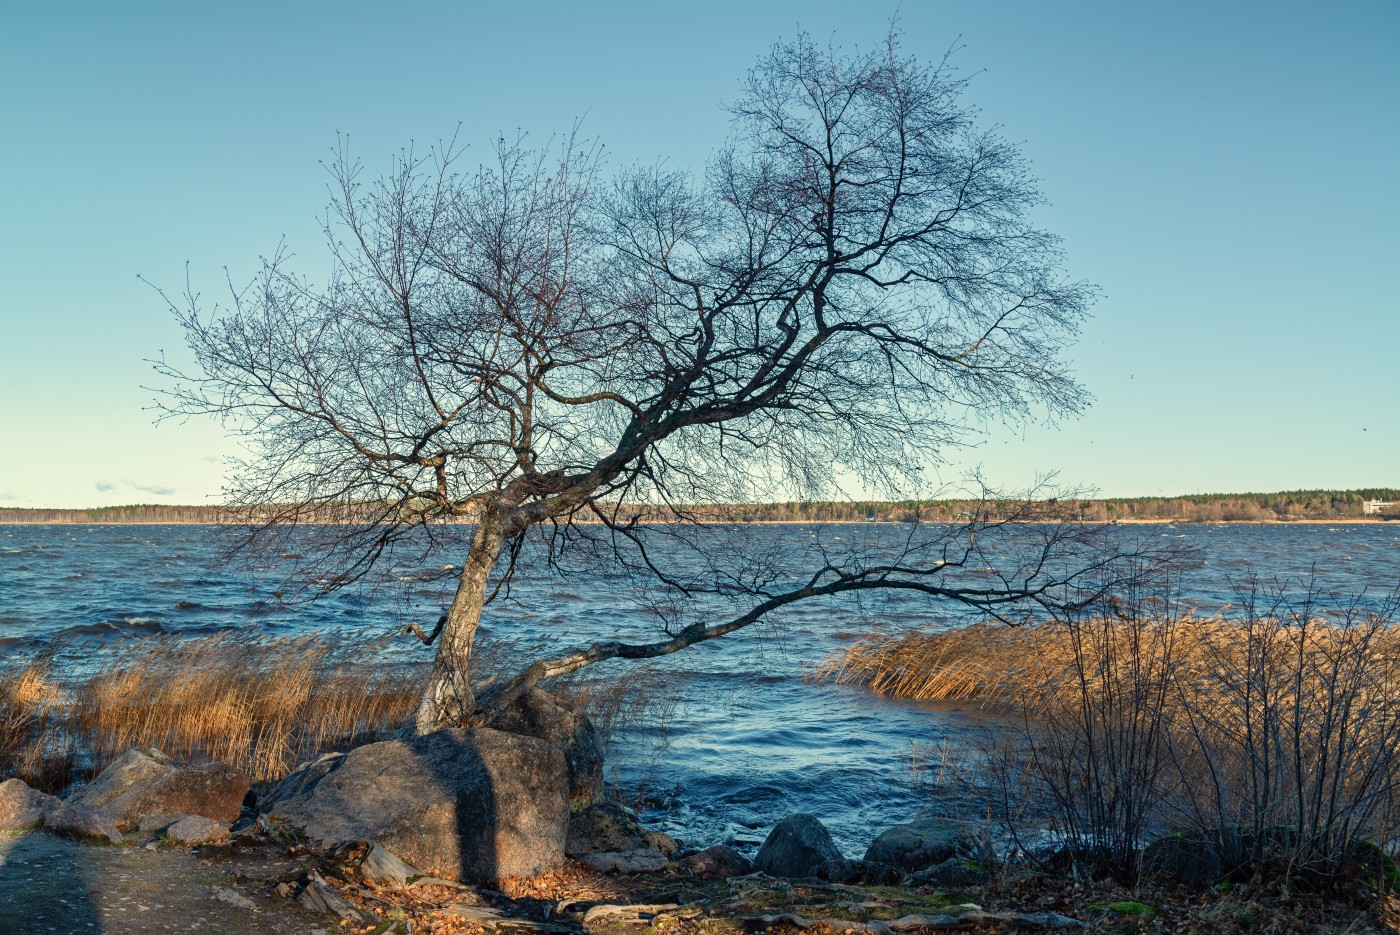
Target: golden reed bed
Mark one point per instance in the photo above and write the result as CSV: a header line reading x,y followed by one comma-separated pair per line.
x,y
1038,664
261,704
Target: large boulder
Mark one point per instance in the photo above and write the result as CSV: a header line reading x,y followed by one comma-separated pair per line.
x,y
537,713
607,827
921,845
474,805
147,782
21,807
300,781
79,821
795,847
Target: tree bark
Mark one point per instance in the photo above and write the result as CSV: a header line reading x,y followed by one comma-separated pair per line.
x,y
448,699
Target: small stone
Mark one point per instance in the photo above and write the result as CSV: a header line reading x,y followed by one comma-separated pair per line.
x,y
607,827
195,829
662,843
155,824
234,898
953,872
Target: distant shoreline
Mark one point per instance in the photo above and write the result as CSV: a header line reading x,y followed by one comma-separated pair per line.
x,y
1337,521
1365,505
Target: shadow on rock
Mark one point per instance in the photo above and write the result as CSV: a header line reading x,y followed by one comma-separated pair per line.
x,y
472,805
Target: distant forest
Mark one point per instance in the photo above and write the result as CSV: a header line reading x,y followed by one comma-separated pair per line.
x,y
1198,508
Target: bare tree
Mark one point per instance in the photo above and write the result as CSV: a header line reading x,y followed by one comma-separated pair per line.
x,y
854,284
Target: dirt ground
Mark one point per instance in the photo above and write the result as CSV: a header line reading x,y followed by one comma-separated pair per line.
x,y
54,886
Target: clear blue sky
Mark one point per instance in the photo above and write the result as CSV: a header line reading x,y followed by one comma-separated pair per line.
x,y
1225,171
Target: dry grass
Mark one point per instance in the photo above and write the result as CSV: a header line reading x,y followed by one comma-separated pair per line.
x,y
1038,665
262,705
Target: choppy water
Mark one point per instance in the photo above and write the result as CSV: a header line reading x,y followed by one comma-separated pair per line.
x,y
749,743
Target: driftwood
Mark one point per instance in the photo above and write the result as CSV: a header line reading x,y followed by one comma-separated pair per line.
x,y
318,896
492,919
438,881
643,912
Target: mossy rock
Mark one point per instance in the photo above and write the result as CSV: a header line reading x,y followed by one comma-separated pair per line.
x,y
1125,908
1372,864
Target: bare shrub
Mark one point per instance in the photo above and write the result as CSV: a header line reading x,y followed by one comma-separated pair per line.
x,y
1095,740
1286,741
1271,732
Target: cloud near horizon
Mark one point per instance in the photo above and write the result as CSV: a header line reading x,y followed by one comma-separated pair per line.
x,y
158,490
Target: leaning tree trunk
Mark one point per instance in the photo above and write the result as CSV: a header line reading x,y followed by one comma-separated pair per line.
x,y
448,700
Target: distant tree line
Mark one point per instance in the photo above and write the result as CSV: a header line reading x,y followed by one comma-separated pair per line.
x,y
134,513
1197,508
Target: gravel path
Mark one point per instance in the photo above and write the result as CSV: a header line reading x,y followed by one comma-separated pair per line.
x,y
55,886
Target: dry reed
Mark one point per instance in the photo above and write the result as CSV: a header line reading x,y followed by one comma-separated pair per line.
x,y
31,744
988,662
262,705
1034,665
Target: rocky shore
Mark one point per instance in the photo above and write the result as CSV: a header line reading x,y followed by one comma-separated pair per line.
x,y
148,819
488,830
